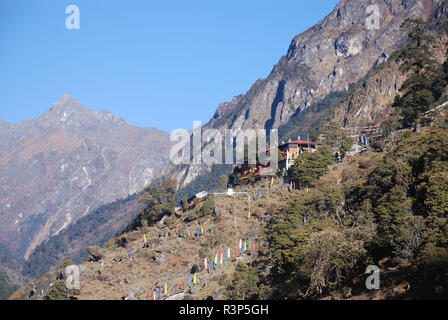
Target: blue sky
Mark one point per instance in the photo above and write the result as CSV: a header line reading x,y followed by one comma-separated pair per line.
x,y
154,63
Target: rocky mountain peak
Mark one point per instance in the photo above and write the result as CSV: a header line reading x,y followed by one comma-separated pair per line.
x,y
57,168
69,113
67,104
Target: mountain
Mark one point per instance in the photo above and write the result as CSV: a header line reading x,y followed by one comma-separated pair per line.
x,y
56,169
327,59
384,206
95,229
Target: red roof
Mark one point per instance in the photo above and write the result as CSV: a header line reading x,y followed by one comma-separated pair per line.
x,y
301,142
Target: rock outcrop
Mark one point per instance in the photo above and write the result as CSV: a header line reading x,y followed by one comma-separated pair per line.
x,y
95,253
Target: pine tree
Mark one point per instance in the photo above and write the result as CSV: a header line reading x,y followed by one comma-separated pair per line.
x,y
427,78
309,167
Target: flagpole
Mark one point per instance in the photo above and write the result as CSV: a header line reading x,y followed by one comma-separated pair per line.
x,y
308,139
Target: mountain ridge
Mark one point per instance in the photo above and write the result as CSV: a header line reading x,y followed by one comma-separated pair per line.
x,y
71,159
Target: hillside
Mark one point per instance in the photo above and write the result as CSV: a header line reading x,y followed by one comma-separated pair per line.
x,y
313,243
57,168
94,229
324,60
372,191
165,258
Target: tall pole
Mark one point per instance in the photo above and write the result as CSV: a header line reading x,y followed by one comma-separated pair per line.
x,y
308,138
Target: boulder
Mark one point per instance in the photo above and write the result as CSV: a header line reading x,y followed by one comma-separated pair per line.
x,y
178,296
195,268
95,253
151,243
183,232
193,290
122,242
135,293
159,258
219,211
214,296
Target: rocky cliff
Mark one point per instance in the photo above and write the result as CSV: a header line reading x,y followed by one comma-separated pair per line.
x,y
329,57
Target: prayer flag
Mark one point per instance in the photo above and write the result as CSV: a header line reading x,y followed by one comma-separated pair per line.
x,y
165,287
248,215
144,238
181,284
202,231
228,252
194,278
189,280
160,291
253,244
272,181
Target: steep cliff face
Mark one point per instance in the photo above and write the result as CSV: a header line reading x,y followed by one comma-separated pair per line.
x,y
57,168
329,57
371,101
